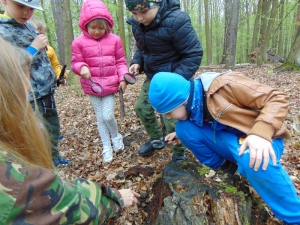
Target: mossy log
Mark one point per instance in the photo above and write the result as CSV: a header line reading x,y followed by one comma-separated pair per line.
x,y
192,194
288,66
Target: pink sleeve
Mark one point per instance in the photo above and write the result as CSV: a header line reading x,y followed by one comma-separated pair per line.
x,y
77,60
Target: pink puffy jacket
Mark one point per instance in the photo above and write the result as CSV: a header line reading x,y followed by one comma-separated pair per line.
x,y
104,57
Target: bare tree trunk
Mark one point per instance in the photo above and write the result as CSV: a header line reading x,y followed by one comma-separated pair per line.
x,y
293,60
207,34
233,33
256,26
280,33
228,14
57,9
294,56
231,24
46,22
267,32
68,33
121,23
248,50
263,32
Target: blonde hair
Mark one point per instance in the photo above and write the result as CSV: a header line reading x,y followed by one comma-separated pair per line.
x,y
21,133
102,23
38,23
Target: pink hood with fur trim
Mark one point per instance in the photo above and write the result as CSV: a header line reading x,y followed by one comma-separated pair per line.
x,y
104,57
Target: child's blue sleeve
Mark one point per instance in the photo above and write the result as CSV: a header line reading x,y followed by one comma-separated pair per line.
x,y
32,50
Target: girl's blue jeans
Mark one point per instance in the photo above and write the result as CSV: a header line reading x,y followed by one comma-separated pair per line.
x,y
273,185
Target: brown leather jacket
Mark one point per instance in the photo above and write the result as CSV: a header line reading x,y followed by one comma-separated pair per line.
x,y
253,108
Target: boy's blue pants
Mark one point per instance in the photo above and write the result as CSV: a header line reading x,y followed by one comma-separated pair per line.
x,y
273,185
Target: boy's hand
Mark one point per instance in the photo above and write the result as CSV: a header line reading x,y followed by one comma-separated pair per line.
x,y
40,42
172,139
260,150
85,72
122,86
135,69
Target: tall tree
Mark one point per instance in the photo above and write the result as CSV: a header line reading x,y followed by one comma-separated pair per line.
x,y
68,32
257,25
266,29
121,22
232,8
64,29
280,32
208,47
57,10
293,60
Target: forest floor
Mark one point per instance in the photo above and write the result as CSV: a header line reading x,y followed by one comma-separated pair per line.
x,y
82,144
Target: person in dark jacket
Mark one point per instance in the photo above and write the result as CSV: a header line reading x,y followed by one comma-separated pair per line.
x,y
166,42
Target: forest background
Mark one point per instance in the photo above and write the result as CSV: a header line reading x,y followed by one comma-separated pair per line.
x,y
233,34
231,31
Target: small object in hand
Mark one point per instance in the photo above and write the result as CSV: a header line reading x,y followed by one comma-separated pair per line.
x,y
122,105
95,87
61,78
158,143
130,78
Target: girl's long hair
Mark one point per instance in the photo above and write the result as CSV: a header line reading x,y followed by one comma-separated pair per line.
x,y
21,132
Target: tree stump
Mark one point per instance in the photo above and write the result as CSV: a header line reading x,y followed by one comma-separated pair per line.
x,y
192,194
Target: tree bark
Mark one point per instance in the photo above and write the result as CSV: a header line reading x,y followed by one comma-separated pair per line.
x,y
231,24
293,60
266,35
208,47
233,33
256,26
190,193
121,23
68,33
57,9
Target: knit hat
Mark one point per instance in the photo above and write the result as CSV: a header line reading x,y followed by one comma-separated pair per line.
x,y
142,4
168,91
35,4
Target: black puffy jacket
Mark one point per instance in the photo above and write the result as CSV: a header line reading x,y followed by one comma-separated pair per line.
x,y
168,44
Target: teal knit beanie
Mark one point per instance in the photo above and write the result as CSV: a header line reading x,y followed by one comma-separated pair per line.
x,y
168,91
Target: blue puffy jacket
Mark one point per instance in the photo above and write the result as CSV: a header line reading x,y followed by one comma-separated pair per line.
x,y
168,44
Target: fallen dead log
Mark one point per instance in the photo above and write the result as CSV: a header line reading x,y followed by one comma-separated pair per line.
x,y
190,193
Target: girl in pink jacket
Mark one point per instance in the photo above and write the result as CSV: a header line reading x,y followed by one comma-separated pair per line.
x,y
98,57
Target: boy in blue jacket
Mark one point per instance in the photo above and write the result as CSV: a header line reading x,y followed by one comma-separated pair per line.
x,y
15,28
165,41
232,122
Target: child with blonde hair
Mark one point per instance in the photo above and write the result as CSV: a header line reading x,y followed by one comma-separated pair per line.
x,y
29,187
40,25
15,28
98,57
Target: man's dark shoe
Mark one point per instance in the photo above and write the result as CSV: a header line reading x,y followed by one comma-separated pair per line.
x,y
228,167
179,158
148,148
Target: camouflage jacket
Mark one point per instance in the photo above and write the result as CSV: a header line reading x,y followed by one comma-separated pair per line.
x,y
33,195
42,77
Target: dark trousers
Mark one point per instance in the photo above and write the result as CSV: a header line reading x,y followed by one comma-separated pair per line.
x,y
46,111
147,115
